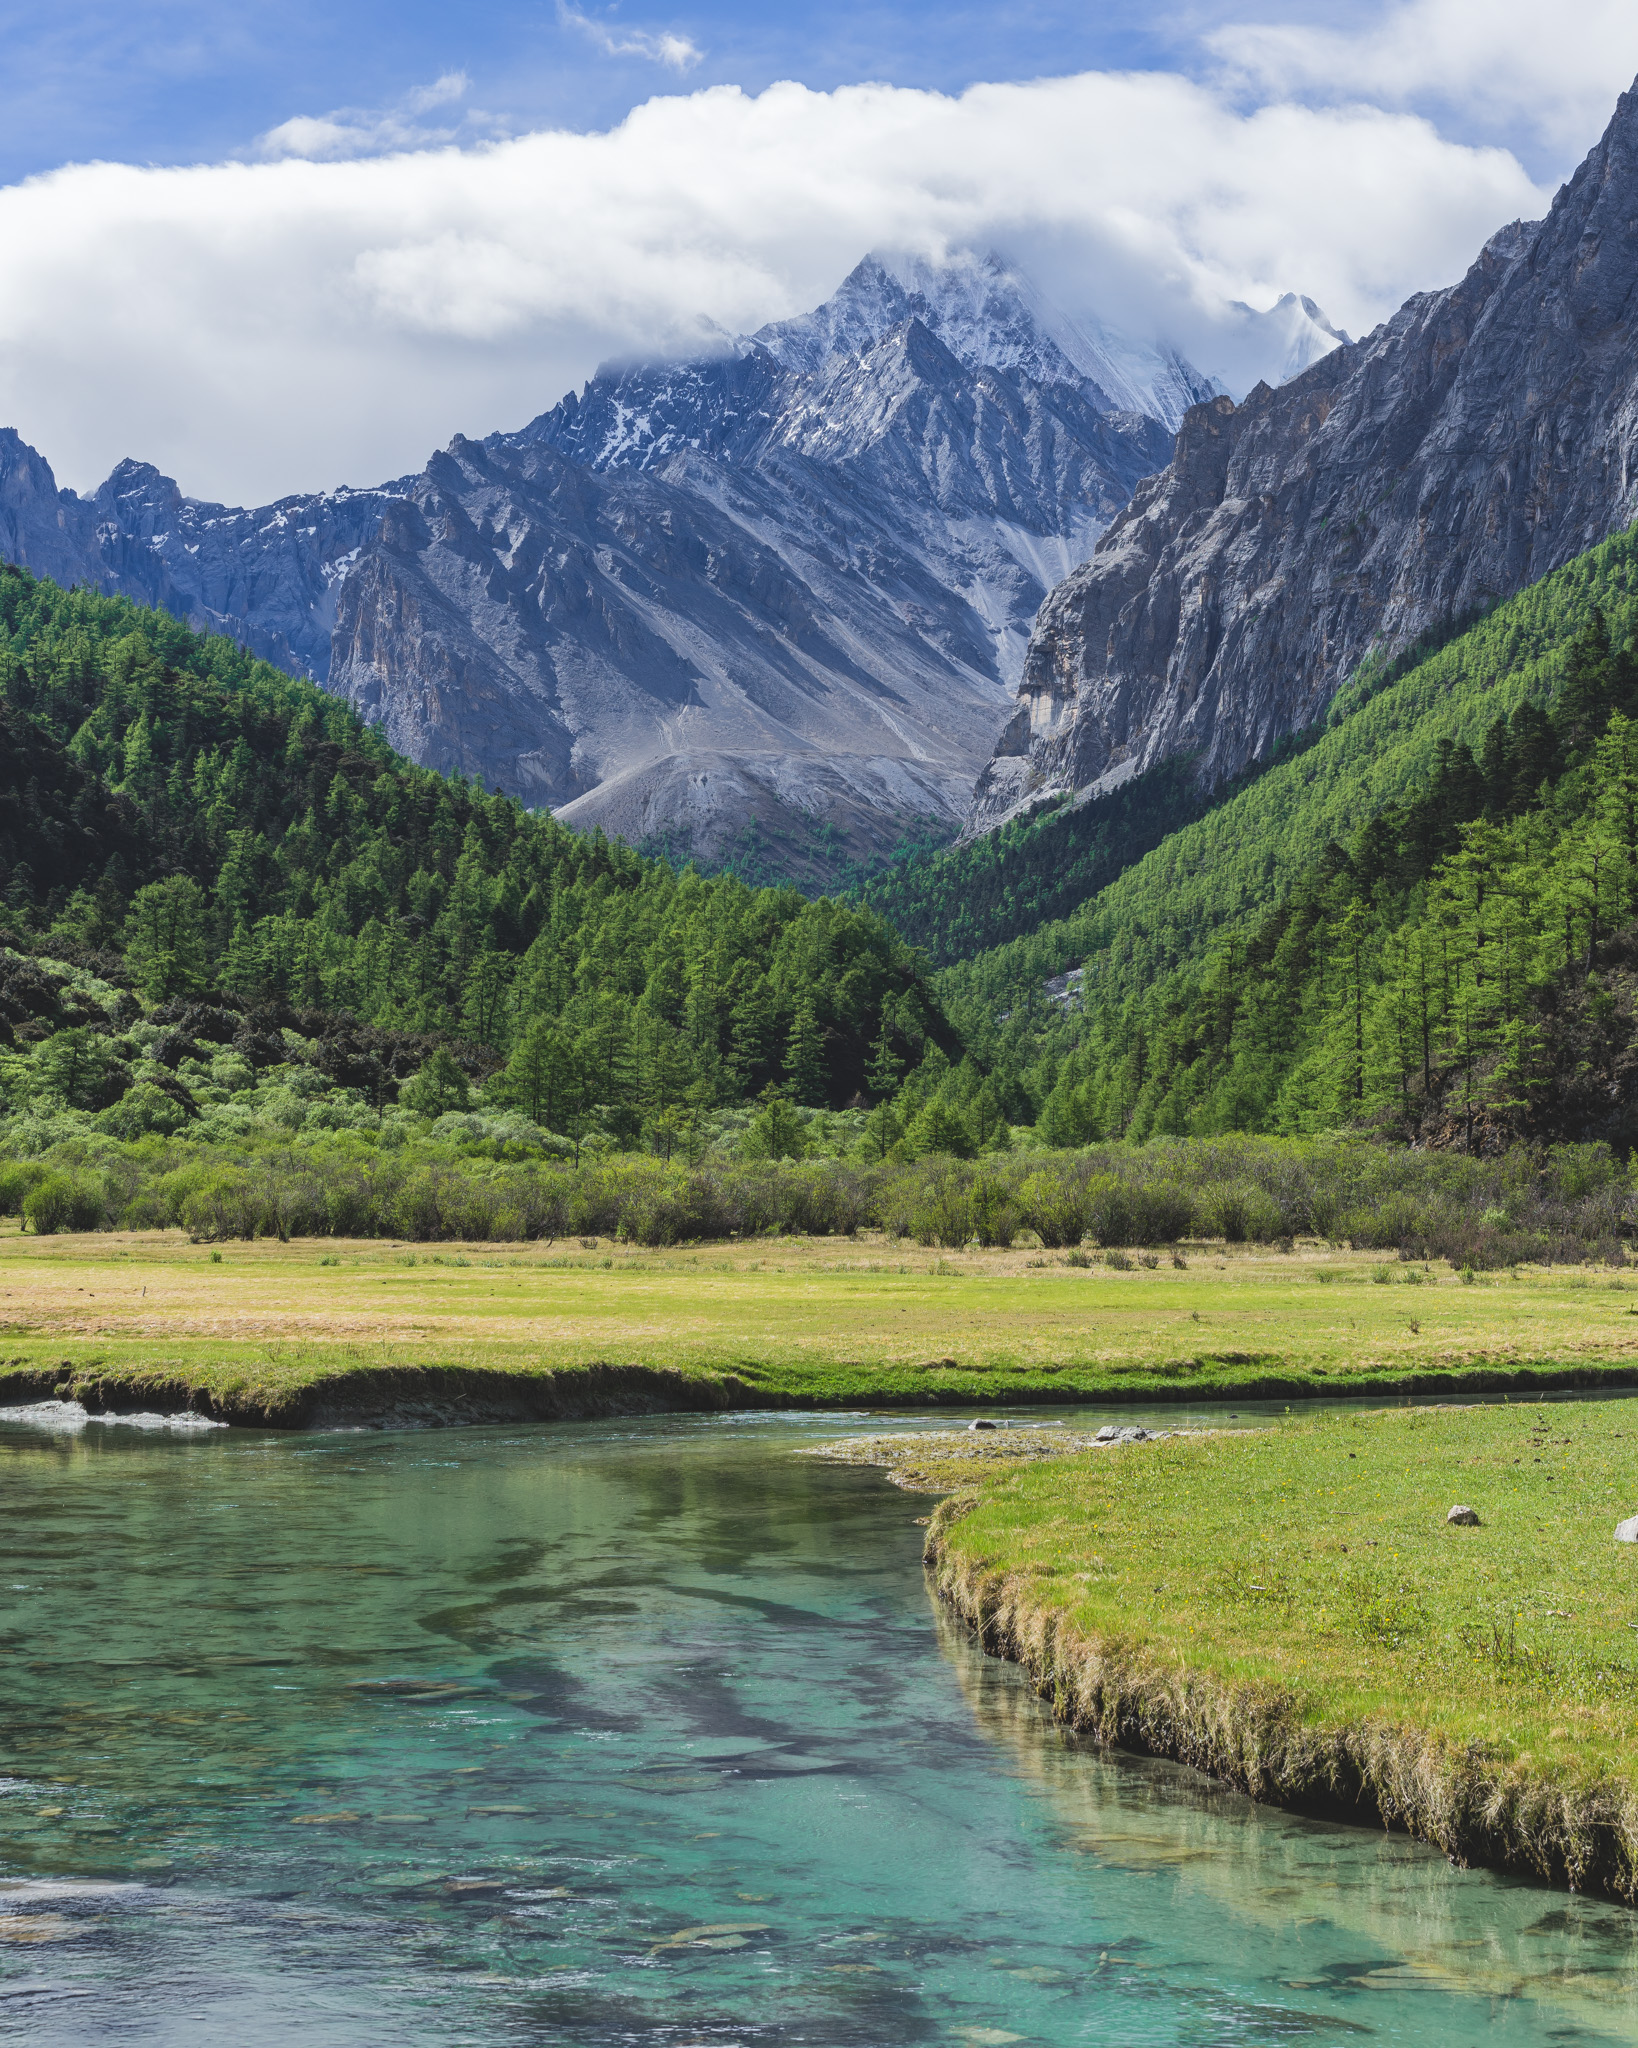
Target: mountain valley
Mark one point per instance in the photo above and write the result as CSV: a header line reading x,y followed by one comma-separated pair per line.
x,y
766,608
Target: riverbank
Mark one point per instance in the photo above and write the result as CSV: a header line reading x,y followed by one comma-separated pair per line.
x,y
1289,1610
320,1333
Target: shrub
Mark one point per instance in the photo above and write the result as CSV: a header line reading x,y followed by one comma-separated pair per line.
x,y
1054,1208
141,1110
1239,1212
994,1214
214,1204
438,1086
17,1177
64,1201
944,1213
1163,1212
221,1181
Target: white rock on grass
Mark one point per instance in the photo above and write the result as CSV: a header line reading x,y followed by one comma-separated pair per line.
x,y
1464,1517
1627,1531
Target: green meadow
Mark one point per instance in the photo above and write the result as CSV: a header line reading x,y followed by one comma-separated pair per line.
x,y
1290,1608
806,1320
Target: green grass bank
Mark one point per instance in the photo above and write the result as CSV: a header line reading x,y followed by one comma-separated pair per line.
x,y
322,1331
1289,1610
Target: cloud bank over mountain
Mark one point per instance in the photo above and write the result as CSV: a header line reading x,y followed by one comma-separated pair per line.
x,y
1542,77
261,326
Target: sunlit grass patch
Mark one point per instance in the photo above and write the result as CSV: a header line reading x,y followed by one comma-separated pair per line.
x,y
826,1319
1293,1601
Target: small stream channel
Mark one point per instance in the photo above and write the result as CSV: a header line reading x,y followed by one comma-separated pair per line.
x,y
640,1732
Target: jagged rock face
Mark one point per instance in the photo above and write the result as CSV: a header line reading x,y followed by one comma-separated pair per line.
x,y
692,601
1479,439
788,586
267,576
39,528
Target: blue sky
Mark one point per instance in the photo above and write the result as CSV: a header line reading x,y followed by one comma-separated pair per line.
x,y
185,81
273,247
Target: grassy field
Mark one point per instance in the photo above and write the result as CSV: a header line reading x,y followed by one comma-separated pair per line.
x,y
255,1326
1288,1608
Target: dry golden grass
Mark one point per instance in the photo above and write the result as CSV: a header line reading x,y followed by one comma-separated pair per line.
x,y
825,1318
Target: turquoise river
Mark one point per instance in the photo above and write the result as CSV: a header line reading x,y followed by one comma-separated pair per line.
x,y
637,1732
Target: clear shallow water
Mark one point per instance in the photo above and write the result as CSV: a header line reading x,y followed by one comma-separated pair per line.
x,y
639,1733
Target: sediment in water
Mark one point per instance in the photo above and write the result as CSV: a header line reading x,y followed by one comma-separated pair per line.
x,y
1481,1810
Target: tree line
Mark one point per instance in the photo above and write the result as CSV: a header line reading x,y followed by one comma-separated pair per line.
x,y
186,819
1461,969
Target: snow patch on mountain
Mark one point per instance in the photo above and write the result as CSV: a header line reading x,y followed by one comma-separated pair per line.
x,y
989,314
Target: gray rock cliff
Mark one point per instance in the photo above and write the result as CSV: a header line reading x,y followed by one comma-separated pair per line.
x,y
786,587
266,576
1399,486
699,598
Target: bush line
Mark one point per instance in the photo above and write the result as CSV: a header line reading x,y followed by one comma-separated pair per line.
x,y
1569,1206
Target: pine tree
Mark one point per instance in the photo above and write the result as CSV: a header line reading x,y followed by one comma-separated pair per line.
x,y
484,1002
544,1076
1587,689
776,1131
751,1033
885,1066
165,938
440,1085
805,1057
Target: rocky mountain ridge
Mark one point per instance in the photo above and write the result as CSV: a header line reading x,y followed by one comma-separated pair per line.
x,y
267,576
989,314
772,601
1398,487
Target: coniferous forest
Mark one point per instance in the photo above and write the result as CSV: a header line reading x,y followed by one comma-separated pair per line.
x,y
216,851
1424,926
236,923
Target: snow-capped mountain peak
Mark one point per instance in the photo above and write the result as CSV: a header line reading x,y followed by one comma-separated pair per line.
x,y
989,315
1294,333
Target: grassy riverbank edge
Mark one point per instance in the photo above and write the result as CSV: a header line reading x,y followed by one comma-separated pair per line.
x,y
449,1396
346,1333
1484,1802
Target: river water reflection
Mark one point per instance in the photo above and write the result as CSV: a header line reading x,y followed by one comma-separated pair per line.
x,y
637,1732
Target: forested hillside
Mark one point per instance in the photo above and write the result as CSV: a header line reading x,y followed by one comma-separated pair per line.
x,y
960,901
233,915
217,855
1425,923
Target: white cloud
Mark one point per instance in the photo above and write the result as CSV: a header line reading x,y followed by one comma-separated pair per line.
x,y
1549,72
443,92
661,46
358,131
262,327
